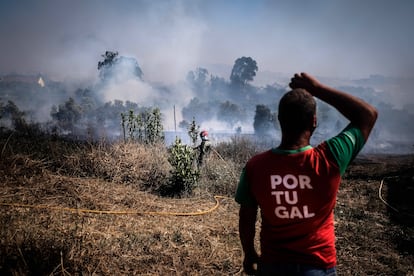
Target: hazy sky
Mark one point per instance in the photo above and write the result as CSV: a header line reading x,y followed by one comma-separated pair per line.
x,y
335,38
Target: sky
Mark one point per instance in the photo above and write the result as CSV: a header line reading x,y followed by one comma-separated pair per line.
x,y
64,39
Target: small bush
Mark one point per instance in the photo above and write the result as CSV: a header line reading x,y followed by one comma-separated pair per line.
x,y
184,173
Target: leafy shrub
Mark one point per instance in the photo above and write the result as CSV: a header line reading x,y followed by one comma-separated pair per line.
x,y
184,174
144,127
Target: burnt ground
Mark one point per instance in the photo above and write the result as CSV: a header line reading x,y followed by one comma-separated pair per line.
x,y
375,217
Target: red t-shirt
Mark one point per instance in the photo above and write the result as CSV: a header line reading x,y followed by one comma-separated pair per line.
x,y
296,192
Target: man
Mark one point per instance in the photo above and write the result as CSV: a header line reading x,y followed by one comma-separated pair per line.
x,y
295,185
204,147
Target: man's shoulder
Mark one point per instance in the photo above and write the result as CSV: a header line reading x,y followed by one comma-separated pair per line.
x,y
260,156
346,145
262,160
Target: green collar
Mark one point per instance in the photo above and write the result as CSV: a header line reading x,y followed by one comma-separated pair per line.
x,y
283,151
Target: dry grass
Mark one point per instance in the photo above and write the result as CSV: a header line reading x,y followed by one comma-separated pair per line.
x,y
371,240
112,177
115,244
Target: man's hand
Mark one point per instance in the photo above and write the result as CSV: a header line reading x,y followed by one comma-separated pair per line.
x,y
249,262
356,110
247,229
306,82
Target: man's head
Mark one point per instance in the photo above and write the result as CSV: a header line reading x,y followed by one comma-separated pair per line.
x,y
204,135
297,112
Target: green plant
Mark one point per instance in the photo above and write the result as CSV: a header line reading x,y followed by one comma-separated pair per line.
x,y
144,127
184,174
193,131
154,127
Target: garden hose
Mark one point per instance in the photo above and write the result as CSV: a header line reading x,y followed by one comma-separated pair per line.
x,y
109,212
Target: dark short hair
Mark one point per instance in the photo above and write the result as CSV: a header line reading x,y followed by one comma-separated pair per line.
x,y
296,111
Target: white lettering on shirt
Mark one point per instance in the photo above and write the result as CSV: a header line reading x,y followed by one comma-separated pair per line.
x,y
294,212
286,197
290,181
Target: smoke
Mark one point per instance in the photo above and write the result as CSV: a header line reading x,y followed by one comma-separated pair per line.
x,y
44,37
167,98
216,125
125,81
170,38
212,102
131,90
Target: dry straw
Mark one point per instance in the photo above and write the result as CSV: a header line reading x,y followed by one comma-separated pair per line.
x,y
58,227
64,176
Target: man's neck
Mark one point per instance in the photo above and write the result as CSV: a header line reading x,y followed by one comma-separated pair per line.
x,y
290,142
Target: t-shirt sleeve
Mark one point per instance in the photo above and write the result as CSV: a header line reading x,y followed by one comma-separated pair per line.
x,y
346,145
243,195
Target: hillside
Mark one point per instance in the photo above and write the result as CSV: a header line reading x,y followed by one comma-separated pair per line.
x,y
61,184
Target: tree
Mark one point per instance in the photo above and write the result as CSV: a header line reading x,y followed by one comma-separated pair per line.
x,y
118,66
218,87
154,128
264,120
109,59
244,70
198,78
201,111
12,112
106,66
67,114
230,113
86,99
145,126
199,82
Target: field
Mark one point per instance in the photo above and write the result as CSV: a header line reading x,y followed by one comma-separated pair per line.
x,y
72,208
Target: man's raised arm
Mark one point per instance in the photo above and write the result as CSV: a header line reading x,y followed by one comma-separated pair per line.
x,y
356,110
